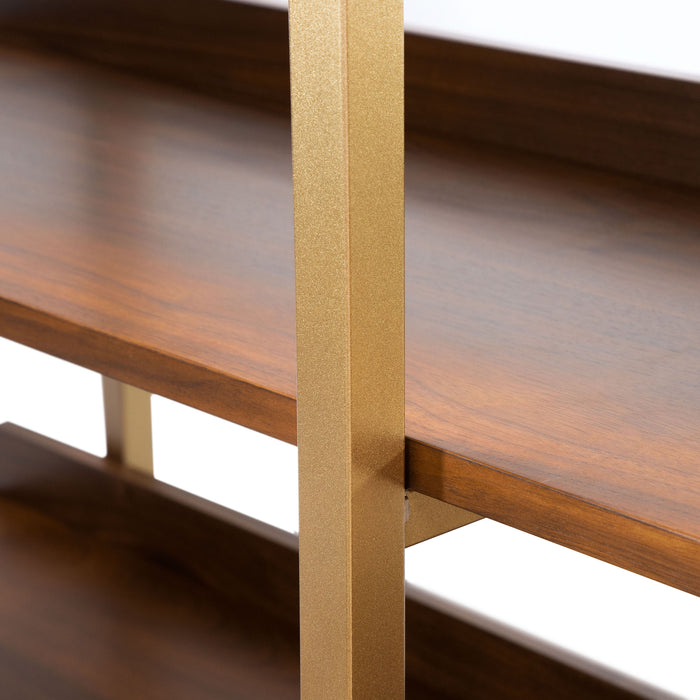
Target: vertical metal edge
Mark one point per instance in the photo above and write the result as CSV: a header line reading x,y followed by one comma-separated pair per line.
x,y
128,425
347,131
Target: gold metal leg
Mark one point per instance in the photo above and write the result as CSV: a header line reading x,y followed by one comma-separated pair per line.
x,y
128,423
347,127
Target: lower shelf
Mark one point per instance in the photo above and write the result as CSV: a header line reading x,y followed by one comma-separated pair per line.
x,y
88,613
117,586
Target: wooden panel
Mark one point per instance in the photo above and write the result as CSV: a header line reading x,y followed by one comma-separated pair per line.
x,y
449,659
159,372
105,591
119,183
629,122
553,334
634,544
225,49
625,121
117,586
552,317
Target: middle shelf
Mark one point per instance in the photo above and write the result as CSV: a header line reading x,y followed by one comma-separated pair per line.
x,y
553,327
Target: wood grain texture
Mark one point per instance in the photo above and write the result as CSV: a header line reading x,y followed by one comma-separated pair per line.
x,y
105,593
117,586
632,543
162,373
225,49
130,196
629,122
552,319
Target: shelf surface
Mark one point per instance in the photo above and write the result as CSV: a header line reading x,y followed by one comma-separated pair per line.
x,y
93,608
553,312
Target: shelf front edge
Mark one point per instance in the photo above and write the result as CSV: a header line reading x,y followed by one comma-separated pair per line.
x,y
228,397
639,546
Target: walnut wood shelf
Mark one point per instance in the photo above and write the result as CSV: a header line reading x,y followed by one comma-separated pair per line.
x,y
553,323
96,603
117,586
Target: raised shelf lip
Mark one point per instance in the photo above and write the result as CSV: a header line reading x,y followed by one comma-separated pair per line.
x,y
650,549
607,117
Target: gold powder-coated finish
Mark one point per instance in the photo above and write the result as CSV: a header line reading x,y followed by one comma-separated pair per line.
x,y
427,517
128,425
347,129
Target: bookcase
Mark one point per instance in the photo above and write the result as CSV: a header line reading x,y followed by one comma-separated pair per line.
x,y
552,334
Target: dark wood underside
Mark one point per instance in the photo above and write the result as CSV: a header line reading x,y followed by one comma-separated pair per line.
x,y
116,586
553,371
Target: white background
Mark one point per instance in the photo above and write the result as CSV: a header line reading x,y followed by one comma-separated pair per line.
x,y
654,36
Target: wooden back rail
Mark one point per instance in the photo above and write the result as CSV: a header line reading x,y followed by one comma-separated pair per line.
x,y
627,122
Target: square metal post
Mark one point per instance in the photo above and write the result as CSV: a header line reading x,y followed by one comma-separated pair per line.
x,y
347,129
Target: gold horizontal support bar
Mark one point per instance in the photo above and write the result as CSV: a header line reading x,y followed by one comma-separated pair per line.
x,y
426,517
347,134
128,425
